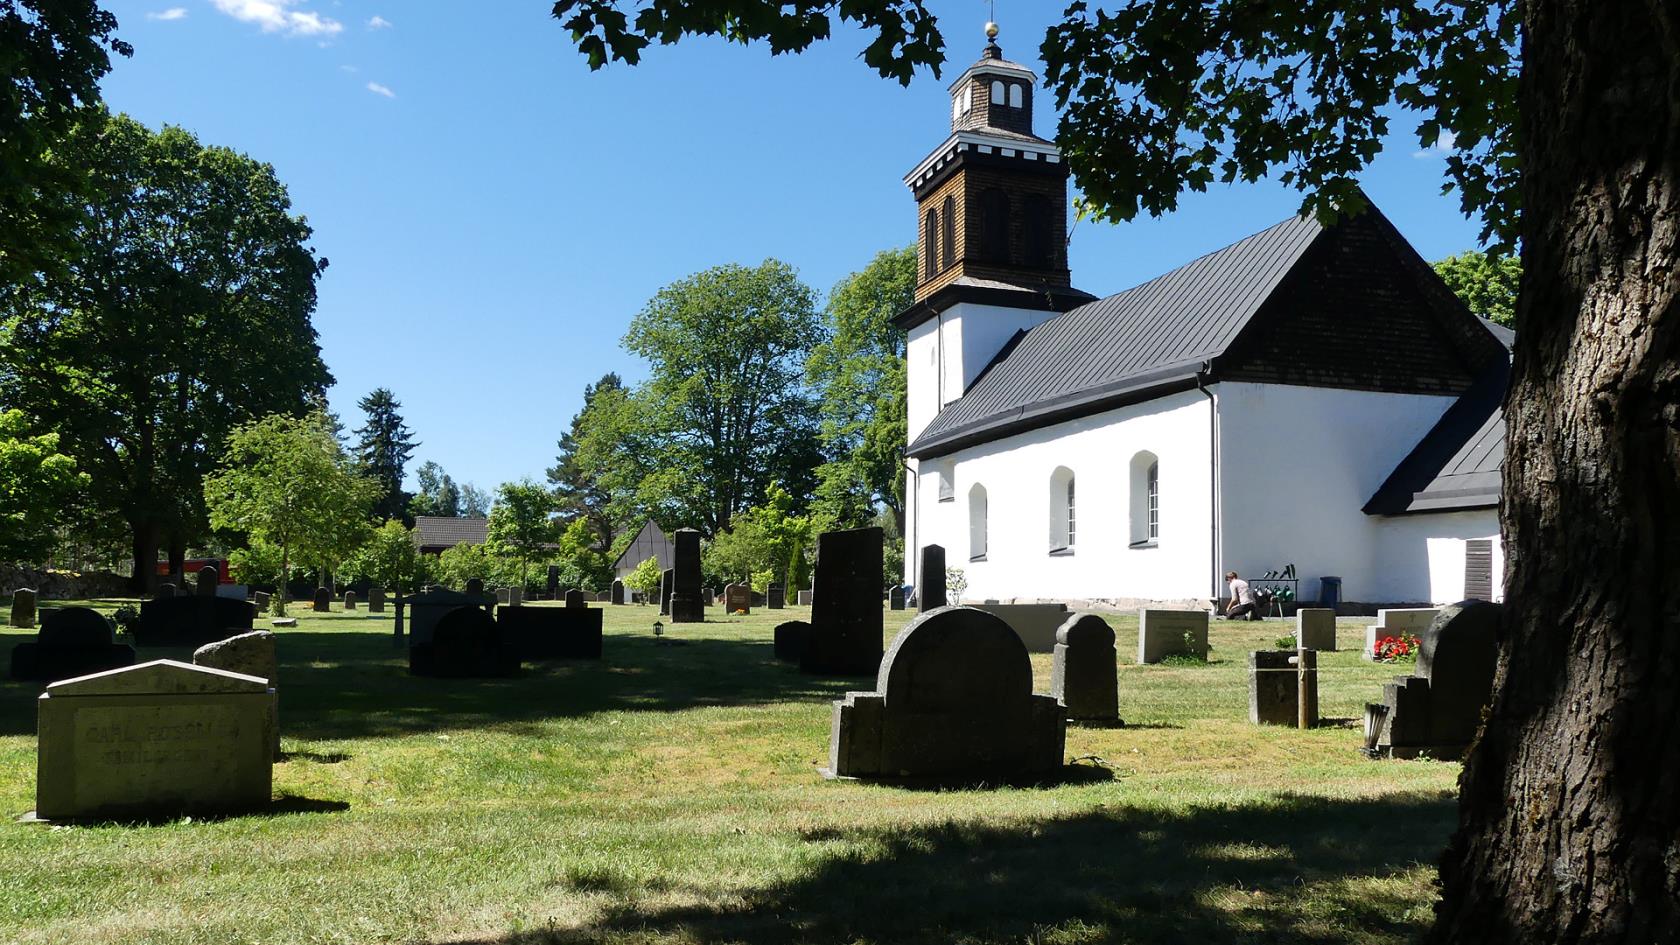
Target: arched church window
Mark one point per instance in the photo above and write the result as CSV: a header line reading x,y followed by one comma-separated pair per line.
x,y
1037,237
1062,521
930,245
994,224
997,93
1014,95
949,234
977,523
1146,499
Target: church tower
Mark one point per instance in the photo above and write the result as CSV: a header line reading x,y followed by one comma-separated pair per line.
x,y
992,213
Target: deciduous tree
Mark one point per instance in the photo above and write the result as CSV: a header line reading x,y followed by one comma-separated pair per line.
x,y
37,484
438,494
521,526
1486,282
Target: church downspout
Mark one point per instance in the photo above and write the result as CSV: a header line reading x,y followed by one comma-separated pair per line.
x,y
1213,477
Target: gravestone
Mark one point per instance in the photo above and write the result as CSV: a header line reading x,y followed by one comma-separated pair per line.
x,y
249,654
775,597
260,600
516,597
349,600
687,603
895,597
504,596
208,578
464,642
474,588
1163,633
74,641
1393,621
192,621
1274,686
376,600
323,601
553,633
667,581
789,640
804,598
164,591
604,597
1084,674
953,699
1437,710
1315,629
574,598
618,593
23,608
553,582
930,589
155,740
737,599
846,620
1035,624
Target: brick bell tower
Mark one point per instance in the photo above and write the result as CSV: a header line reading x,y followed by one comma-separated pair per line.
x,y
992,199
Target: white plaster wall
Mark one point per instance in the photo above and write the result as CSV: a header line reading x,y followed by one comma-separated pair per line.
x,y
1427,551
1016,472
946,353
1297,464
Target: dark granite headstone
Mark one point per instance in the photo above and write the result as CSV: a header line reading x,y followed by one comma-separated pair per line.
x,y
953,700
846,619
737,599
1437,710
349,600
23,608
260,600
553,633
376,600
667,582
208,578
464,642
74,641
775,598
1083,669
930,581
192,621
1274,686
895,597
574,598
618,592
323,601
790,640
474,588
553,582
687,603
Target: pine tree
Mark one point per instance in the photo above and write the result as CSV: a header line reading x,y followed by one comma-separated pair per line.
x,y
383,450
577,491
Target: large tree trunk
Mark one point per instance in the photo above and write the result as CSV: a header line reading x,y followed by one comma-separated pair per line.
x,y
1569,825
145,546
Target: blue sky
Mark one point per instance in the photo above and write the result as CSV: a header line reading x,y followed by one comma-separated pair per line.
x,y
495,213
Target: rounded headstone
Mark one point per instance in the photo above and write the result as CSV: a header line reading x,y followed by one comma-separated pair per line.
x,y
475,587
76,628
953,657
208,578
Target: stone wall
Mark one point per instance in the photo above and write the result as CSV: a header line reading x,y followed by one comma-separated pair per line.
x,y
63,585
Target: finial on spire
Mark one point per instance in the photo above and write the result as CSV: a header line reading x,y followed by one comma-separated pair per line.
x,y
991,30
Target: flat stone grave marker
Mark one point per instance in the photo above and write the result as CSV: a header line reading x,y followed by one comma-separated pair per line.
x,y
23,608
1084,669
1315,629
737,599
1274,686
846,620
249,654
73,641
1163,633
155,740
953,699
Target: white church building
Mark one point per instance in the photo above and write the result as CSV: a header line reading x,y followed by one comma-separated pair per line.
x,y
1309,395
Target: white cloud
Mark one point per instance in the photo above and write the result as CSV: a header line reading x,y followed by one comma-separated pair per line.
x,y
378,89
348,69
1443,144
378,23
173,13
276,16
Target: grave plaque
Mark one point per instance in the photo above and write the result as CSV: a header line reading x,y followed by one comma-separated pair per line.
x,y
1163,633
1084,672
930,592
687,603
1315,629
953,699
846,620
1274,686
155,740
775,597
23,608
737,599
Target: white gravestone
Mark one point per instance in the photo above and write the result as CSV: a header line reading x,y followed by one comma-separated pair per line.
x,y
1315,629
1396,620
1162,633
154,740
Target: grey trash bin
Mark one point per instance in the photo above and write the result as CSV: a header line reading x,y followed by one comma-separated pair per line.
x,y
1329,591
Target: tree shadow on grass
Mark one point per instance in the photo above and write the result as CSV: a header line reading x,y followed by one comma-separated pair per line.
x,y
1276,871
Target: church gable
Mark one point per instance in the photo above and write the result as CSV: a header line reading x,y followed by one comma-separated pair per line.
x,y
1361,311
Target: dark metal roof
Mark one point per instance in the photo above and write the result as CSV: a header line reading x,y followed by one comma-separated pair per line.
x,y
1151,338
1457,463
439,531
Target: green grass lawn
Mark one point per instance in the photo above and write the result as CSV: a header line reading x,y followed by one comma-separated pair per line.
x,y
670,794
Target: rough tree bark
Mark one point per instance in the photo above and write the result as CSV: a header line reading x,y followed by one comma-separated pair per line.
x,y
1569,826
